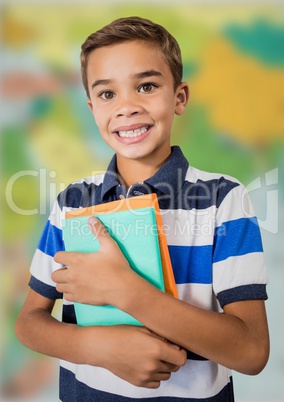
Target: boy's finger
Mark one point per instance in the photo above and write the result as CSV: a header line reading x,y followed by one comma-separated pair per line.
x,y
59,275
174,356
66,257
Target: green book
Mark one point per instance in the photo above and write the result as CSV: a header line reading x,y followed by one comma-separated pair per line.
x,y
136,233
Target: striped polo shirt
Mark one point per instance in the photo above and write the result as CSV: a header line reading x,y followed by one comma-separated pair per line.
x,y
217,257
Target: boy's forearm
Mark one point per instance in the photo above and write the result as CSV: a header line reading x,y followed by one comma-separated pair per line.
x,y
235,339
39,331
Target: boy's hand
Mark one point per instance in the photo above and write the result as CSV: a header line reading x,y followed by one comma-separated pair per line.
x,y
136,355
95,278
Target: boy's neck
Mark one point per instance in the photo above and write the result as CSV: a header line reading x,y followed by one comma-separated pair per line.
x,y
136,171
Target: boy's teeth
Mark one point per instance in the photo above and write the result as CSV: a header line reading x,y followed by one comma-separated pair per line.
x,y
132,133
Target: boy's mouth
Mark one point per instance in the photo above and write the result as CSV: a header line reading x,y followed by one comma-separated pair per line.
x,y
133,133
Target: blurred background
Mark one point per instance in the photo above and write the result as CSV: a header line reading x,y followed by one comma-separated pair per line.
x,y
233,55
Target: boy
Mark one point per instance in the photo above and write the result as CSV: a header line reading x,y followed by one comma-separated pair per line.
x,y
132,73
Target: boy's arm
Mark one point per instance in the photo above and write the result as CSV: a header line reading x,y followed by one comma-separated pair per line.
x,y
135,354
237,339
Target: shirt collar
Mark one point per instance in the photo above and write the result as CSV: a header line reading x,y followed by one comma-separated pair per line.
x,y
166,182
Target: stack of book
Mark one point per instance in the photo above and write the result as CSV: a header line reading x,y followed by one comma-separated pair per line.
x,y
136,225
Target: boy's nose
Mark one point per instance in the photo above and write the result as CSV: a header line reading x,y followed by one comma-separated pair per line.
x,y
128,107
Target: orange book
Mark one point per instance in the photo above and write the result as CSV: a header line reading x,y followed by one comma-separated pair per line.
x,y
136,203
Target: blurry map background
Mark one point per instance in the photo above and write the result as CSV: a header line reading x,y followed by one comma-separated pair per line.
x,y
233,56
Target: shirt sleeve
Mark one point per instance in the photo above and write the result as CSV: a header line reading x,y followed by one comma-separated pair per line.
x,y
43,264
239,271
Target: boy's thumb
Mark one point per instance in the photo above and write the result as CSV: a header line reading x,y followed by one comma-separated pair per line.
x,y
93,221
98,229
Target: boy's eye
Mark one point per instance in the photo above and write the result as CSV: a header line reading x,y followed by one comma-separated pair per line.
x,y
147,87
107,95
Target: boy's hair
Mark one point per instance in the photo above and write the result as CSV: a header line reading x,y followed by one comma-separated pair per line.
x,y
134,29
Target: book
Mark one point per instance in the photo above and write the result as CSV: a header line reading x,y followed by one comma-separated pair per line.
x,y
136,225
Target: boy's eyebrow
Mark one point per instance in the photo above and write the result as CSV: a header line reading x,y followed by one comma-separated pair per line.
x,y
100,82
143,74
148,73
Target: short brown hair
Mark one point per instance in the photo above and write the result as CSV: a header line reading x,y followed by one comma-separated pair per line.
x,y
130,29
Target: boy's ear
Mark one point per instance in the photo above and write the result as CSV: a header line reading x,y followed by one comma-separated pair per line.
x,y
89,102
182,96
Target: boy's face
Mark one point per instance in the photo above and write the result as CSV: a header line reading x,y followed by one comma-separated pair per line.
x,y
133,100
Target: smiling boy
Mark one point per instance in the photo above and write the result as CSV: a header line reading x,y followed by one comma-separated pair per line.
x,y
132,73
